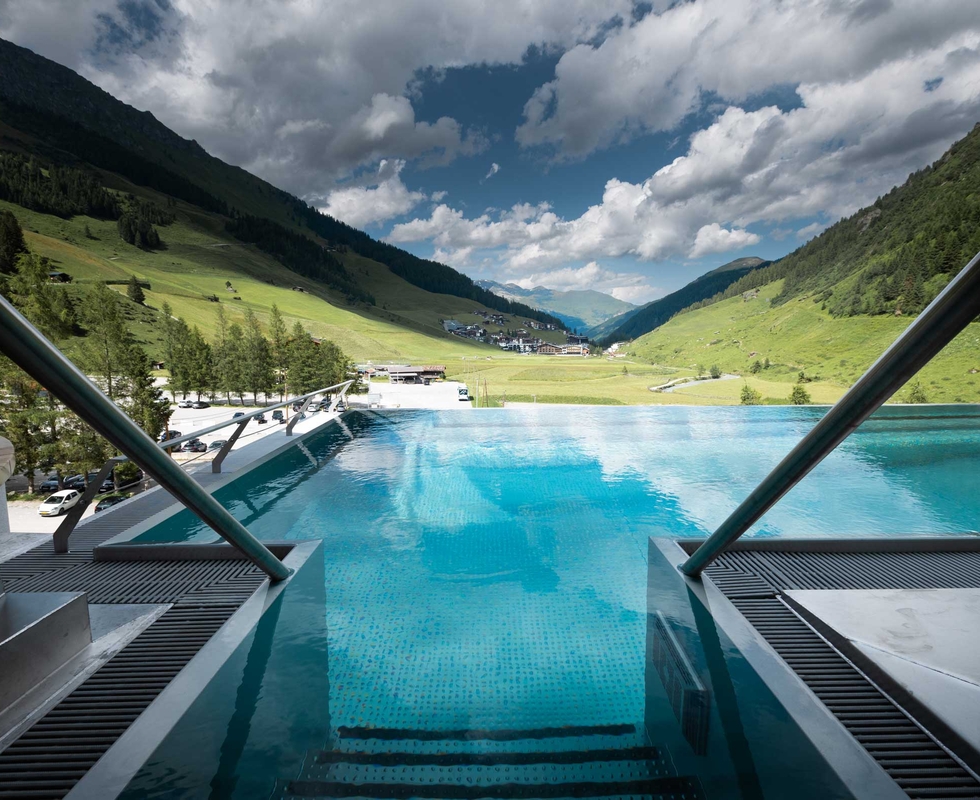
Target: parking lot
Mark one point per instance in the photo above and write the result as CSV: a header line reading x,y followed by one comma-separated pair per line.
x,y
23,513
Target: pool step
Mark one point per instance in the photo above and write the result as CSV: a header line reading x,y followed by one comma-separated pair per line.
x,y
464,765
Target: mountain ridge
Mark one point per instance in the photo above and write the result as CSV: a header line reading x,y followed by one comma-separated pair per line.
x,y
579,308
37,94
656,313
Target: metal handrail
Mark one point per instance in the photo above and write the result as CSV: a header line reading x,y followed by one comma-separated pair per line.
x,y
955,308
27,347
250,415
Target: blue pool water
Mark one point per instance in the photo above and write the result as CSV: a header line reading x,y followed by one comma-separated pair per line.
x,y
493,570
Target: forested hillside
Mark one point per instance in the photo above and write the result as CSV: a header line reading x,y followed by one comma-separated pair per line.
x,y
655,314
894,256
52,113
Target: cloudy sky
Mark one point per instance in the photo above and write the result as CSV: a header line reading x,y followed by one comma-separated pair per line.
x,y
621,146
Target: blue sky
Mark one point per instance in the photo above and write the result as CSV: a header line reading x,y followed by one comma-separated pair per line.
x,y
637,145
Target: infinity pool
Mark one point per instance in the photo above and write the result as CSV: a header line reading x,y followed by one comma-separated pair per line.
x,y
492,571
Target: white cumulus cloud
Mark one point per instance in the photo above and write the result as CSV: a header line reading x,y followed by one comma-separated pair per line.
x,y
630,287
384,197
715,239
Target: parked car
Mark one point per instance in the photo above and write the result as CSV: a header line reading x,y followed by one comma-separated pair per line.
x,y
217,444
238,414
195,447
200,404
185,404
340,406
78,482
260,418
59,503
136,479
166,436
108,485
297,406
278,416
49,484
109,501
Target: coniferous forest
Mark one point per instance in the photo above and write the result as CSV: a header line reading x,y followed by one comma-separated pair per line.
x,y
896,255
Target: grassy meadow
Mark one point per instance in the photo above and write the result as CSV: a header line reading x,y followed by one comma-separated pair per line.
x,y
800,336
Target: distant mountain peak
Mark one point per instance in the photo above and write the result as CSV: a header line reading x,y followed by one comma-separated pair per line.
x,y
577,308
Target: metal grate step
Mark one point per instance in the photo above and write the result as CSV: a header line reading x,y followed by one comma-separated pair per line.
x,y
905,751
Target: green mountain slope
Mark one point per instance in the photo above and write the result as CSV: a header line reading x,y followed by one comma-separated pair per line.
x,y
49,110
800,336
894,256
832,307
600,331
579,309
654,314
200,258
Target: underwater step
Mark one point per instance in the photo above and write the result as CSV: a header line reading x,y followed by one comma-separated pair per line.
x,y
546,772
487,759
496,735
671,788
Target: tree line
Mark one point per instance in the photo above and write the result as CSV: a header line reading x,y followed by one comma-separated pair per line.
x,y
429,275
243,360
47,436
53,189
297,252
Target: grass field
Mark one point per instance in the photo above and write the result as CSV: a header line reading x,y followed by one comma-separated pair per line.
x,y
198,260
800,336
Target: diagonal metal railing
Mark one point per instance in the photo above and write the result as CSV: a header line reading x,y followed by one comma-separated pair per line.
x,y
27,347
68,524
955,308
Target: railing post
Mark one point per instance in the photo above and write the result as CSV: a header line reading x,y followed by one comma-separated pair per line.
x,y
297,416
26,346
955,308
74,514
220,457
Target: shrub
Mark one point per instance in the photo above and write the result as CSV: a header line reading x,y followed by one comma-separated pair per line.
x,y
750,397
916,394
715,372
799,396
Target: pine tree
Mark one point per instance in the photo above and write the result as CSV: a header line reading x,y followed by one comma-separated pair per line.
x,y
799,396
134,291
231,373
43,303
280,349
181,373
11,241
200,364
145,403
304,363
916,393
25,419
257,360
750,397
108,341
